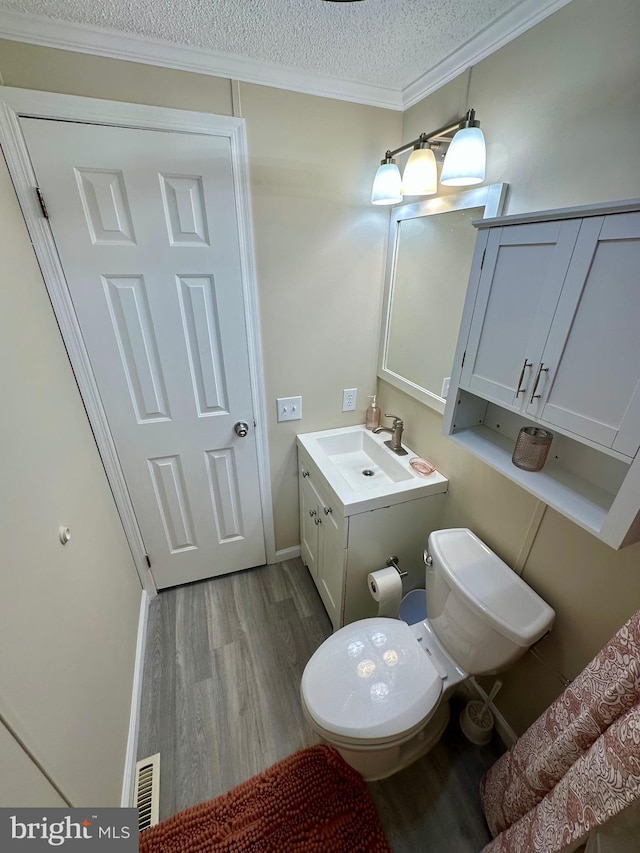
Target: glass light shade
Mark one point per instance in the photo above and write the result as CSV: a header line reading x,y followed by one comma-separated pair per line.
x,y
420,174
466,159
386,185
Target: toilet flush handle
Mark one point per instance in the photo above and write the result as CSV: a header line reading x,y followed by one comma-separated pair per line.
x,y
428,559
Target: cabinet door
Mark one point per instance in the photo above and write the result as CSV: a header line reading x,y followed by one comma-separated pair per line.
x,y
331,571
592,387
519,287
309,514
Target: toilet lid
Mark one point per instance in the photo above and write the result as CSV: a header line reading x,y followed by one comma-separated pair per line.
x,y
371,679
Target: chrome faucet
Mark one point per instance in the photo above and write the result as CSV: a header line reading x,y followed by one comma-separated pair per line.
x,y
395,442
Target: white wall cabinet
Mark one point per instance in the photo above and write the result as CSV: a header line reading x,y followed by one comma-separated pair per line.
x,y
522,271
340,550
549,337
590,378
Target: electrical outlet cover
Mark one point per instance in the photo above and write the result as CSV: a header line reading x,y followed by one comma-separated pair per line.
x,y
349,399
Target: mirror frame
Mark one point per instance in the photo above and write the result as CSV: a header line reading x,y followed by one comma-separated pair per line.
x,y
490,197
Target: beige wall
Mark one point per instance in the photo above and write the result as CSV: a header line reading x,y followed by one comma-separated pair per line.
x,y
560,107
68,615
22,783
28,66
560,110
320,257
319,243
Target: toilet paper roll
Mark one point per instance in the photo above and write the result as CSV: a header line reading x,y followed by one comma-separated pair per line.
x,y
385,587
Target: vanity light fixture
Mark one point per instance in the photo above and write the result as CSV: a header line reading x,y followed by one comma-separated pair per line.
x,y
420,176
467,155
464,163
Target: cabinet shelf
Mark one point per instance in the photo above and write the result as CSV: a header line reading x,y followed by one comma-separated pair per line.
x,y
584,503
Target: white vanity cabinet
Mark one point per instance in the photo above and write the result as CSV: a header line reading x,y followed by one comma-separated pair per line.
x,y
322,540
550,337
342,541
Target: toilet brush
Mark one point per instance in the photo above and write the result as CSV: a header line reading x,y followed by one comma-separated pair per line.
x,y
479,710
476,719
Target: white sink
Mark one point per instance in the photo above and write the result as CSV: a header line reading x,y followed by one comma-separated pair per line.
x,y
363,473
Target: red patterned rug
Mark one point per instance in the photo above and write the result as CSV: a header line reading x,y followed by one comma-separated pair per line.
x,y
311,802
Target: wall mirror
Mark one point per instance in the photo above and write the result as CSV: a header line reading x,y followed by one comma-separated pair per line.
x,y
428,261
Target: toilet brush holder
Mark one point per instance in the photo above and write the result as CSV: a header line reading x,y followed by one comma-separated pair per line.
x,y
476,722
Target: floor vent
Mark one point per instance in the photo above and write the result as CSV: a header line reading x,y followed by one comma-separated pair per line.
x,y
146,795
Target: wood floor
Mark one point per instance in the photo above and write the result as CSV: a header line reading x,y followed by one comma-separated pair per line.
x,y
221,703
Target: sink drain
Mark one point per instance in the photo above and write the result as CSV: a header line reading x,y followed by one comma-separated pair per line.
x,y
368,472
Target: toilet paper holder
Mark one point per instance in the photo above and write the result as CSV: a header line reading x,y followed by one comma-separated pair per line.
x,y
393,561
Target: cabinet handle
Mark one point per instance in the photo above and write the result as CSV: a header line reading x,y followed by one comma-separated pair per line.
x,y
312,512
317,521
327,510
305,473
522,390
541,370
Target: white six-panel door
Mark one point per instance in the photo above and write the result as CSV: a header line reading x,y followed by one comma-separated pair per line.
x,y
146,228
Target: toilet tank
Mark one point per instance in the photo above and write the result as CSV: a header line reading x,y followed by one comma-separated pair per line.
x,y
481,611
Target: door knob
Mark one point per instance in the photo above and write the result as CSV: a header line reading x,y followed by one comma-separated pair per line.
x,y
241,429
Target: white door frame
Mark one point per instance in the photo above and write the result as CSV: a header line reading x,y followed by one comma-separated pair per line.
x,y
15,103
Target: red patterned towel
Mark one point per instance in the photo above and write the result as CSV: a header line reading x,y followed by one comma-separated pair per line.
x,y
605,690
311,802
601,783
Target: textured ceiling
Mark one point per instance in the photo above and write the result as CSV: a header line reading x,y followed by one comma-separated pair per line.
x,y
380,42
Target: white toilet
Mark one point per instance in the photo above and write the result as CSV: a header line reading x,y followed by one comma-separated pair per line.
x,y
377,690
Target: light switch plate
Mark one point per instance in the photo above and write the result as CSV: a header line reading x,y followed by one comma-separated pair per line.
x,y
289,408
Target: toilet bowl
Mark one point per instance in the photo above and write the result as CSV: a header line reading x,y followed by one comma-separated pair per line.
x,y
378,690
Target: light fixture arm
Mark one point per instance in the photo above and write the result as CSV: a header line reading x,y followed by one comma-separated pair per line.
x,y
468,120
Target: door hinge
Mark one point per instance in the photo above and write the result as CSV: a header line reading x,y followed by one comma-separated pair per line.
x,y
148,559
43,206
484,252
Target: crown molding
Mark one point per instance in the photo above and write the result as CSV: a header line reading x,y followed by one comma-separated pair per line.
x,y
112,44
98,41
506,28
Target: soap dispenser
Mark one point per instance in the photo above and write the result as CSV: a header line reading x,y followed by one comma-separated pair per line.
x,y
373,414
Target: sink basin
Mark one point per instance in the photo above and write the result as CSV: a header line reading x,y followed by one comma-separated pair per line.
x,y
359,459
363,473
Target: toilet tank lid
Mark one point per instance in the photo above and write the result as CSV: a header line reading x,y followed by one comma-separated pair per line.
x,y
490,586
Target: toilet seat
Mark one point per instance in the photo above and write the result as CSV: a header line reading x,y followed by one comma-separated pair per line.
x,y
370,681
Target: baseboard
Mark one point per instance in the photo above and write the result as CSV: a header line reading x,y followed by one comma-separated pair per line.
x,y
128,780
506,734
287,554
